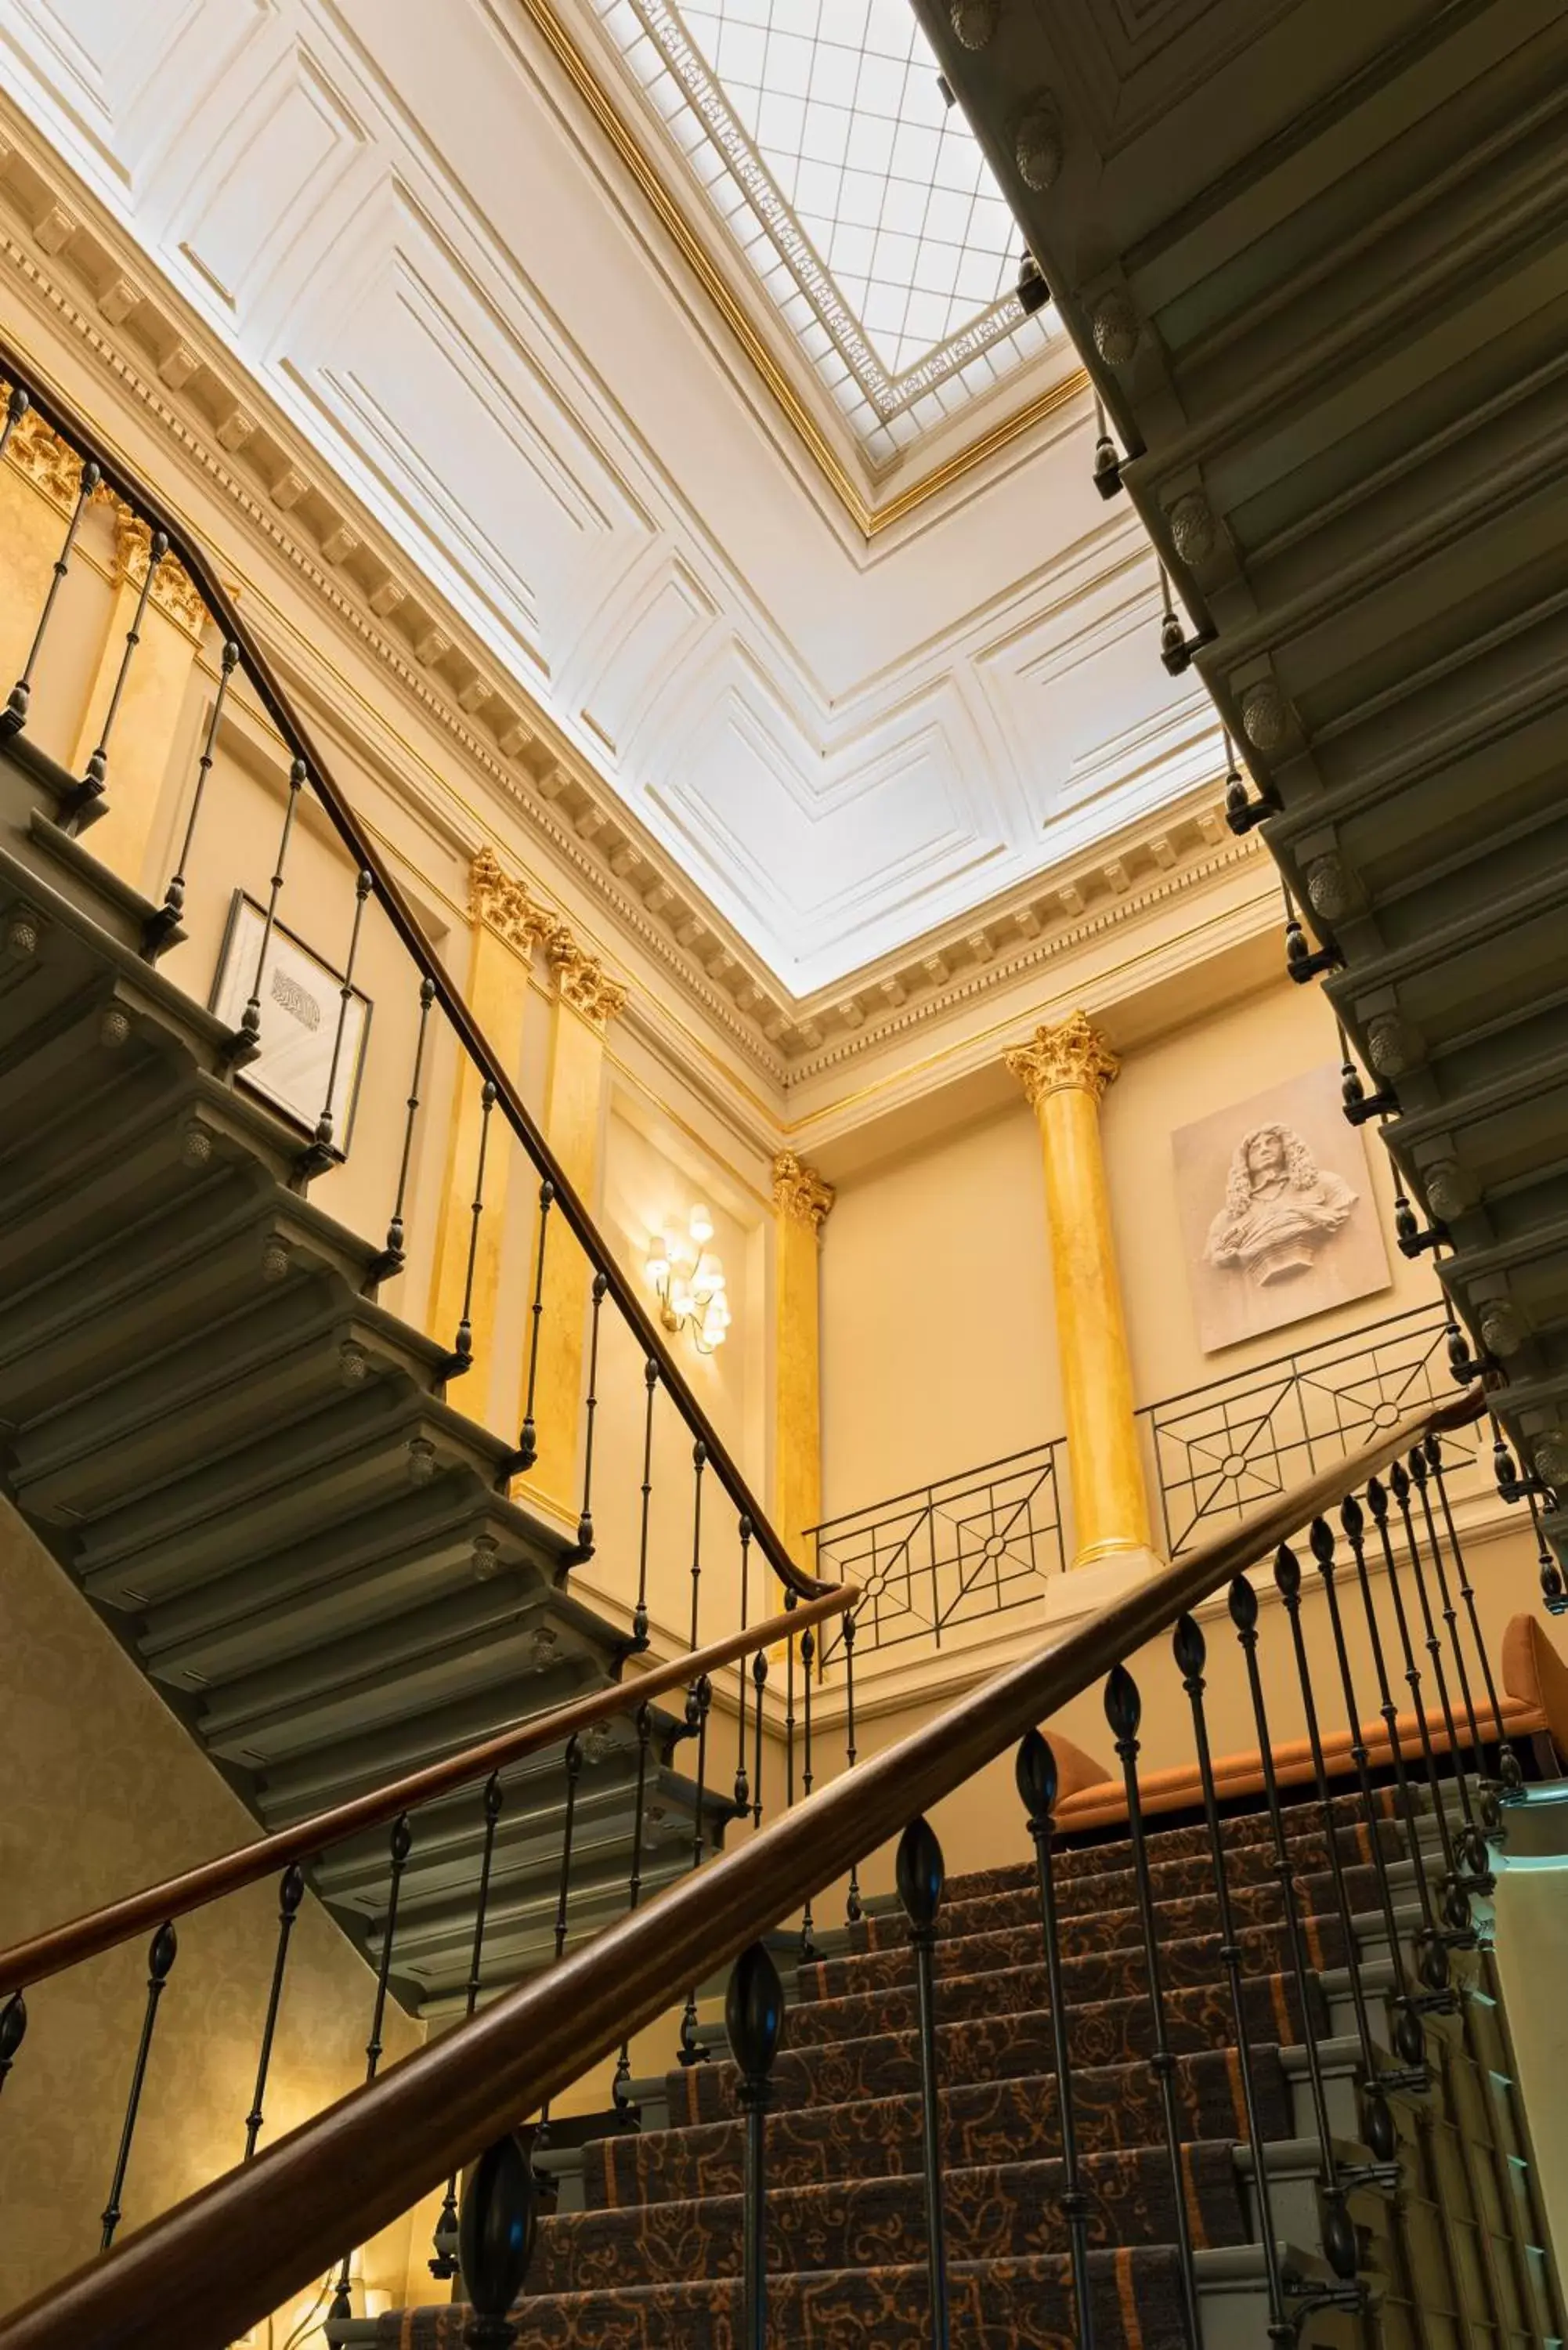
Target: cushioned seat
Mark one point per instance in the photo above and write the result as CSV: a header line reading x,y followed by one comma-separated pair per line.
x,y
1533,1695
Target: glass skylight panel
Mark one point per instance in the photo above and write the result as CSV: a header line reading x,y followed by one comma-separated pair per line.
x,y
824,141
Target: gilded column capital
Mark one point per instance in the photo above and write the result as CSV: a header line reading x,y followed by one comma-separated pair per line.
x,y
582,981
507,907
800,1193
40,455
1071,1057
174,592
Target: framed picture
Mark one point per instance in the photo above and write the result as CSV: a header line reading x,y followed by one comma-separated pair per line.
x,y
301,1005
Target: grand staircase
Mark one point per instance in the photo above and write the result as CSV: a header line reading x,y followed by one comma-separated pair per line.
x,y
1313,258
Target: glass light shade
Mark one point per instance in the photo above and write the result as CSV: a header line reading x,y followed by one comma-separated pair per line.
x,y
713,1333
659,1258
701,1227
719,1281
718,1317
703,1284
680,1296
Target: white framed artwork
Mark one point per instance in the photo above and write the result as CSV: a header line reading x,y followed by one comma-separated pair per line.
x,y
302,1004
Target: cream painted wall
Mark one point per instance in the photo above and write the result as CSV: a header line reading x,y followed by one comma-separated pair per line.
x,y
105,1792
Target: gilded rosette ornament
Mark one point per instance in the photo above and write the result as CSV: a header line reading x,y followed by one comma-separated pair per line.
x,y
799,1192
1072,1056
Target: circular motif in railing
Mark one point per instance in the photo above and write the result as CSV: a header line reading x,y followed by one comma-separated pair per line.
x,y
1384,1414
995,1545
1234,1466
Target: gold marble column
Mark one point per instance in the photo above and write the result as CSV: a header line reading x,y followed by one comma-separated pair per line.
x,y
509,926
801,1202
585,1000
1064,1071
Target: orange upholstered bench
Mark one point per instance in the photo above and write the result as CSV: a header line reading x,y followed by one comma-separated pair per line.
x,y
1534,1696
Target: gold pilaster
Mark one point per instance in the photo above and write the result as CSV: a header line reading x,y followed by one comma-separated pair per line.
x,y
801,1201
1064,1071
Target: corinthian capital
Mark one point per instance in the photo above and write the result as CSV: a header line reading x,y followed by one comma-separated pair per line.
x,y
506,906
799,1192
582,981
1074,1054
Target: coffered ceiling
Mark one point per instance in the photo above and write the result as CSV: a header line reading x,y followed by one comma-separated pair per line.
x,y
448,247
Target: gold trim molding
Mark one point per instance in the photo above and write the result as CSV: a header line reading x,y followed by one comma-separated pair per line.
x,y
1073,1057
800,1192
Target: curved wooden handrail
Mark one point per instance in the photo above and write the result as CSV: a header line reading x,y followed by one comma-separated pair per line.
x,y
33,1961
119,476
355,2168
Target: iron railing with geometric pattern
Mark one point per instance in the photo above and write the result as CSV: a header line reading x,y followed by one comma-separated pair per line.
x,y
944,1554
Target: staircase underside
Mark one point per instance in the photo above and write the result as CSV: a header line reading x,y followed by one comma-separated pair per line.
x,y
1316,259
249,1466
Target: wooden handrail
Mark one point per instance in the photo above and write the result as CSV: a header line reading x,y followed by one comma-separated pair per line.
x,y
119,477
217,2263
30,1962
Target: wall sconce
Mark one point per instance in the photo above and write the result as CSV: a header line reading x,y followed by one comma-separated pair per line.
x,y
689,1280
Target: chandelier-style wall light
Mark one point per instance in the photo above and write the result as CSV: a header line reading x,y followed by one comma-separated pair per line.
x,y
689,1280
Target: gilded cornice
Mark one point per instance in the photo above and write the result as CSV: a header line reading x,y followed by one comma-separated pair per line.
x,y
800,1193
1074,1056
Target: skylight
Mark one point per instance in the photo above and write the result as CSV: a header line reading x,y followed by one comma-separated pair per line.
x,y
819,130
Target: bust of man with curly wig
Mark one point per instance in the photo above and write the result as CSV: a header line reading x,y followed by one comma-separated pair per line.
x,y
1279,1210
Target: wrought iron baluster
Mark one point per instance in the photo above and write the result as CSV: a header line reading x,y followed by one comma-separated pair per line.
x,y
1037,1784
290,1894
16,406
12,2032
808,1949
1456,1904
1434,1964
1124,1712
627,2111
391,1260
444,2265
399,1845
322,1150
855,1908
791,1603
753,2022
921,1876
86,803
1190,1649
759,1688
15,712
1410,2035
496,2236
461,1358
1552,1585
1508,1773
1338,2234
1377,2122
247,1043
698,1462
1471,1846
1420,1472
691,2049
639,1614
162,926
590,1413
529,1444
742,1785
564,1890
161,1954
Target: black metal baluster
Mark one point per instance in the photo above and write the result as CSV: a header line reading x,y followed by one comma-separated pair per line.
x,y
247,1043
162,1953
1434,1963
444,2265
1124,1712
1508,1773
529,1445
855,1908
1189,1650
1410,2035
590,1411
1471,1846
322,1151
564,1890
12,2032
1552,1585
398,1847
496,2236
742,1785
792,1602
921,1875
753,2022
1377,2122
698,1462
639,1614
290,1894
627,2112
1037,1783
14,716
697,1705
461,1358
391,1260
759,1691
1420,1472
1338,2233
1456,1904
808,1949
85,804
160,926
16,407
